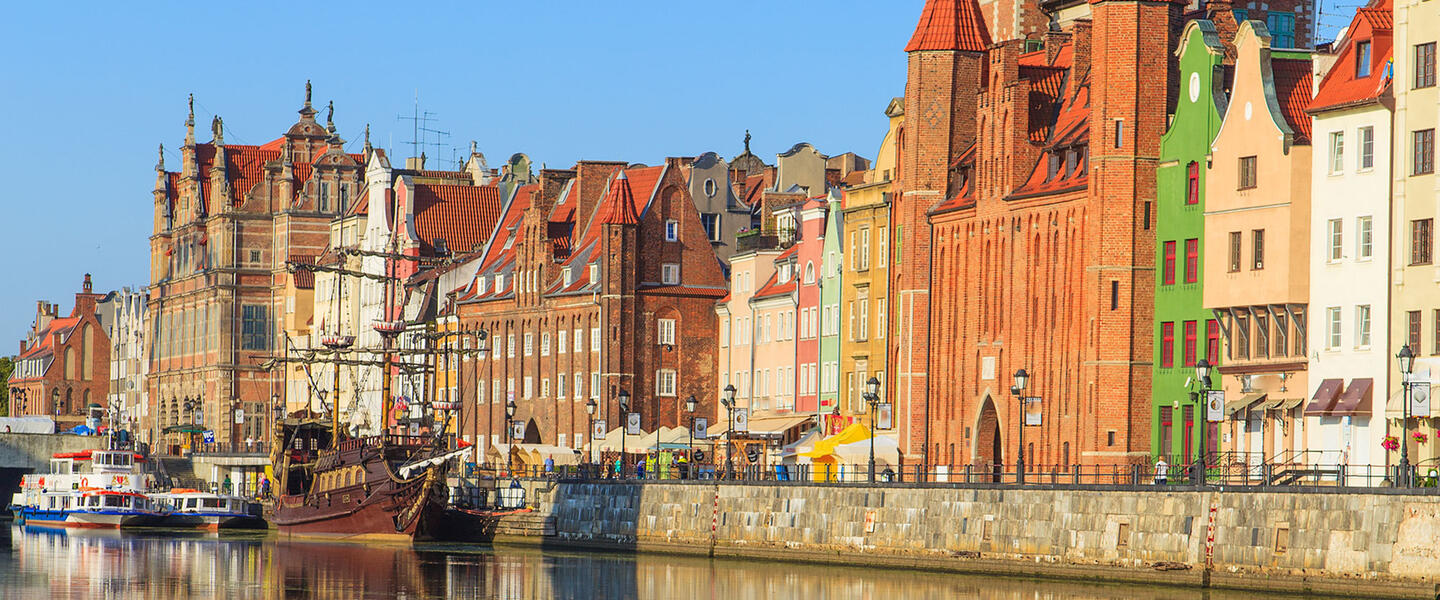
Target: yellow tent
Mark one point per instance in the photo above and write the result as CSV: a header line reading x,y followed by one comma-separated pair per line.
x,y
823,459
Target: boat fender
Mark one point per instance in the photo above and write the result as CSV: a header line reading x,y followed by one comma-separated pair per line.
x,y
84,482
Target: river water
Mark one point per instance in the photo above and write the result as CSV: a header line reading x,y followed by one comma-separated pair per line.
x,y
53,563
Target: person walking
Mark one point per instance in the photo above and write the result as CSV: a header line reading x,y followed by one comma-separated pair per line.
x,y
618,466
265,487
549,465
1162,471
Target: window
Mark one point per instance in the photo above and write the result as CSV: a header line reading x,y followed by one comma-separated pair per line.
x,y
1212,341
1247,172
1241,342
1192,260
1234,251
880,317
545,344
1423,144
1362,59
1436,348
529,387
480,389
1169,264
510,345
1167,344
1425,65
1241,15
1336,239
254,257
1191,331
255,328
1282,29
1362,326
594,339
1412,328
864,305
1262,335
594,272
1119,133
1192,178
711,223
1257,256
579,385
881,251
672,230
324,197
344,197
665,382
724,333
1365,236
1332,328
579,339
1421,241
666,328
861,259
545,387
1367,147
670,274
1337,152
1282,330
1114,294
529,344
560,345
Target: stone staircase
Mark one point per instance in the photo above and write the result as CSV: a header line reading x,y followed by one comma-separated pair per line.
x,y
178,473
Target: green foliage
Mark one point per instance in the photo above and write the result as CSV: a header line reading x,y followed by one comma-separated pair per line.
x,y
6,366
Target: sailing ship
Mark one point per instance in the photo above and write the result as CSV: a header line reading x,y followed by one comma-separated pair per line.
x,y
389,486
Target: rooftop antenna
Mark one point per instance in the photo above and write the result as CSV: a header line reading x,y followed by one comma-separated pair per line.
x,y
420,126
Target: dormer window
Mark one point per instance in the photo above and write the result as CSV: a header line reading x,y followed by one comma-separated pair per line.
x,y
569,276
1362,59
1072,158
1054,166
594,272
499,282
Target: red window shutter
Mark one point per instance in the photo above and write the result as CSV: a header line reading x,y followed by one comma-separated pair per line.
x,y
1169,263
1212,341
1193,197
1190,333
1192,260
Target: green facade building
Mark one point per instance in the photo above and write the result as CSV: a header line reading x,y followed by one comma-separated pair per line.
x,y
1184,331
830,282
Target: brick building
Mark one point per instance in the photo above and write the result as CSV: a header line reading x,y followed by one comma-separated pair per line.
x,y
594,281
64,362
224,227
1036,167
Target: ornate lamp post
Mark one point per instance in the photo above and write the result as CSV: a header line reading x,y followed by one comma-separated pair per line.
x,y
1407,362
1022,380
1202,374
690,408
872,397
624,400
590,407
729,401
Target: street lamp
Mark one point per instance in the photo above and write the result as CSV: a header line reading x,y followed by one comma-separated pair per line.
x,y
690,408
1202,374
509,441
1407,362
624,399
872,397
729,401
590,407
1022,379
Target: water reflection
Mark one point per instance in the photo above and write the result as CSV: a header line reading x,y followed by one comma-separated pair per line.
x,y
59,563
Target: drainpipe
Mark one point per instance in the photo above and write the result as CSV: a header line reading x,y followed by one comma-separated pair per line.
x,y
1387,100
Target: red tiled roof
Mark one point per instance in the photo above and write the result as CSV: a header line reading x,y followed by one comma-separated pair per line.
x,y
619,203
1293,82
462,215
773,287
1341,88
44,340
966,195
853,178
304,279
950,25
1070,133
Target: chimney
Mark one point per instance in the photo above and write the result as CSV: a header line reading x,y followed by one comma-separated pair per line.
x,y
415,163
22,346
87,286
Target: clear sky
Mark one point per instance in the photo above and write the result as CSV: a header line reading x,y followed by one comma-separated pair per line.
x,y
87,92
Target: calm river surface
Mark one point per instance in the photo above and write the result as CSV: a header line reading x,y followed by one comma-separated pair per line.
x,y
46,563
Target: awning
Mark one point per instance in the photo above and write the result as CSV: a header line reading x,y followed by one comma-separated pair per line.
x,y
856,432
1325,397
1356,400
1271,403
762,426
1394,406
1243,403
1292,403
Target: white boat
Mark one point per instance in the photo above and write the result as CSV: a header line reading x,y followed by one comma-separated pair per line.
x,y
205,510
89,488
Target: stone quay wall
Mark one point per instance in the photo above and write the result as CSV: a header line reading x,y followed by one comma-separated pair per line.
x,y
1343,542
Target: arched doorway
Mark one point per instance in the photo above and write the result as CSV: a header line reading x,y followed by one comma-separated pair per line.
x,y
988,441
532,433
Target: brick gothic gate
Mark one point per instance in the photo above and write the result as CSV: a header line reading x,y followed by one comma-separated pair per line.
x,y
988,453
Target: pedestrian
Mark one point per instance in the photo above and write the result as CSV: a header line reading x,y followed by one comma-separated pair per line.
x,y
640,469
618,466
265,487
683,466
1162,471
225,486
549,465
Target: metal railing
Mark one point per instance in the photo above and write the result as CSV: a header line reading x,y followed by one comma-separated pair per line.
x,y
257,447
1232,474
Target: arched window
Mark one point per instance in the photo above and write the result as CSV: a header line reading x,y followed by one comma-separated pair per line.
x,y
809,272
70,363
87,349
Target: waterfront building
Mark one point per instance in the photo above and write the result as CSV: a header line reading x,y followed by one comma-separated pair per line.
x,y
63,366
742,326
1257,244
721,212
1349,236
1184,330
865,263
593,282
832,278
1415,279
122,312
809,265
225,226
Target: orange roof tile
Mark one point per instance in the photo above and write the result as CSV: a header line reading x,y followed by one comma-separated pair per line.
x,y
950,25
462,215
1341,87
1293,82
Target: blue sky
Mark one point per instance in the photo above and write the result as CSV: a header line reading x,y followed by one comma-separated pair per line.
x,y
87,94
85,97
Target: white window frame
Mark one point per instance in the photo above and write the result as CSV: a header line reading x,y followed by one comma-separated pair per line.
x,y
560,380
544,387
529,344
882,251
1337,152
579,340
594,339
672,230
579,390
670,274
665,380
1362,326
544,343
1364,237
562,341
529,388
666,330
1333,327
1367,148
510,345
1335,239
594,384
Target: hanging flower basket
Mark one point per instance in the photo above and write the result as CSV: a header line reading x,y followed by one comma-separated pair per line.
x,y
1390,443
1419,437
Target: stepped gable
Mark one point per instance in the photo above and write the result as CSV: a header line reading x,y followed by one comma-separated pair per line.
x,y
950,25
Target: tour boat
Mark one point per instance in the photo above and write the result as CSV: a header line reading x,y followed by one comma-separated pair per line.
x,y
189,508
100,495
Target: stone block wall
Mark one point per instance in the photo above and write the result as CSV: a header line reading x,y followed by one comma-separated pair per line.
x,y
1347,543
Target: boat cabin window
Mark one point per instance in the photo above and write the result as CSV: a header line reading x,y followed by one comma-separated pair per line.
x,y
212,503
192,503
62,466
114,459
117,501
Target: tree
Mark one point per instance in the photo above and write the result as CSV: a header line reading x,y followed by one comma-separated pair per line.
x,y
6,366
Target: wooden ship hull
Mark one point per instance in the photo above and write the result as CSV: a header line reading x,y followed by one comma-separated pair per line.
x,y
355,492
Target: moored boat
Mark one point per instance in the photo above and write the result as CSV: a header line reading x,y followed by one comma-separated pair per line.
x,y
88,488
194,509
